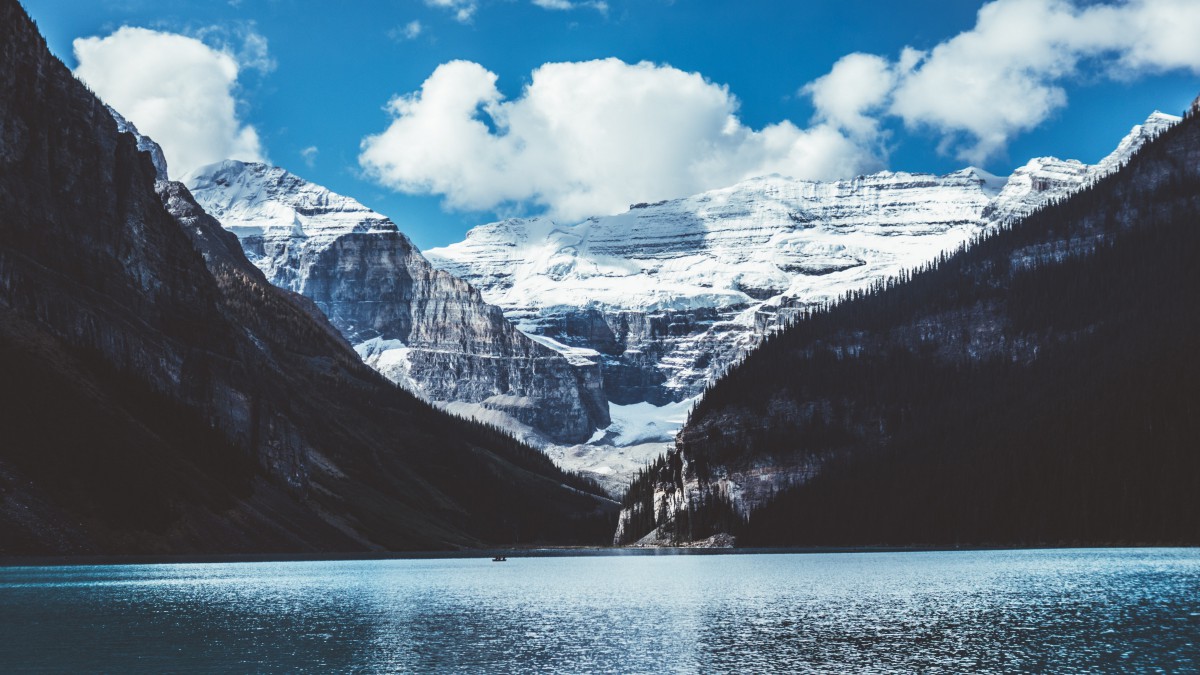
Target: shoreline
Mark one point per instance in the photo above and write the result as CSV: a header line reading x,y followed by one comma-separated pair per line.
x,y
7,561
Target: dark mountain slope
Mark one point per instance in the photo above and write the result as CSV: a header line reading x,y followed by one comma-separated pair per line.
x,y
158,395
1041,387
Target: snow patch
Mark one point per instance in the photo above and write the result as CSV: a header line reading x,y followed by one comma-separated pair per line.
x,y
644,422
390,358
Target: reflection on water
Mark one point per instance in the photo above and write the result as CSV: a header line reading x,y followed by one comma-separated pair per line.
x,y
1003,611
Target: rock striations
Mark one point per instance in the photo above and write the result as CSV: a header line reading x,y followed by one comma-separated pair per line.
x,y
1038,388
419,326
667,295
158,395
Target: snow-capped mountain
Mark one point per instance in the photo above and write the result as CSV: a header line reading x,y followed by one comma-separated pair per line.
x,y
667,295
923,407
1045,178
419,326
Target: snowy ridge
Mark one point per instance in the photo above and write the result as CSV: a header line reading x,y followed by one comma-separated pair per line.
x,y
667,294
1154,125
267,202
144,143
250,198
1046,178
725,248
419,326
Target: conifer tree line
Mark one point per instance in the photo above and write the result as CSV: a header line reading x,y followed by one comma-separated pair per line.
x,y
1040,386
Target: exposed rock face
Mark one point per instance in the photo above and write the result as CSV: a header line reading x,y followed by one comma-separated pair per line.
x,y
668,295
1036,389
158,395
144,144
1047,178
419,326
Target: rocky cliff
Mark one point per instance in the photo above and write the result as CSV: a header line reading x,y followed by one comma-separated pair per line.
x,y
668,295
419,326
1037,388
160,396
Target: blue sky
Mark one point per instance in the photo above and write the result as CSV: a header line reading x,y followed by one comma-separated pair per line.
x,y
320,75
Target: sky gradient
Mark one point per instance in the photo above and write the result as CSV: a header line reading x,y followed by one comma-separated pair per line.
x,y
309,82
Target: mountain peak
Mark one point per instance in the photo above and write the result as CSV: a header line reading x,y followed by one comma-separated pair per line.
x,y
252,199
144,143
991,184
418,326
1159,116
1154,125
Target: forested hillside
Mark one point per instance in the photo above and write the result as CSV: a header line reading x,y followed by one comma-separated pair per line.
x,y
1040,387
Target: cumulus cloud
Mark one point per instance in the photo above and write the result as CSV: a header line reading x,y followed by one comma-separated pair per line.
x,y
857,85
588,138
176,90
1005,76
463,10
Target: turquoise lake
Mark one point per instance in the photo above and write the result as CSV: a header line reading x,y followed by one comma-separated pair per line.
x,y
1088,610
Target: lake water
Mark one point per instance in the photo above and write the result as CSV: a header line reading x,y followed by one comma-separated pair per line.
x,y
1134,610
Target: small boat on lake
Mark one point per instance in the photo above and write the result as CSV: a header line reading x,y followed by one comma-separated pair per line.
x,y
500,558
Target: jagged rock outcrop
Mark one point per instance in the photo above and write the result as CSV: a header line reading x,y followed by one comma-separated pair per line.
x,y
1044,179
158,395
144,144
419,326
668,295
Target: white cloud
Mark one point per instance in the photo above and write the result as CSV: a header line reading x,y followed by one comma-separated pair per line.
x,y
409,31
1005,76
242,40
587,138
1160,35
858,84
598,5
254,53
309,155
176,90
463,10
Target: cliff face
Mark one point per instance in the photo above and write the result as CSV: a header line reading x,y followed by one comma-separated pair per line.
x,y
419,326
1039,387
668,295
159,395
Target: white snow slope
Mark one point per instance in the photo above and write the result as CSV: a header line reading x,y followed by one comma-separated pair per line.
x,y
666,295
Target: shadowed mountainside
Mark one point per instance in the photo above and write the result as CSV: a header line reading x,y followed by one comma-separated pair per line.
x,y
1039,387
158,395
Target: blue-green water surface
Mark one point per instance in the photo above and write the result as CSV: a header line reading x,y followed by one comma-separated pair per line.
x,y
1095,610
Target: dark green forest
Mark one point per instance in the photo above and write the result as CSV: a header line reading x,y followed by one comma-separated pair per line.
x,y
1041,386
